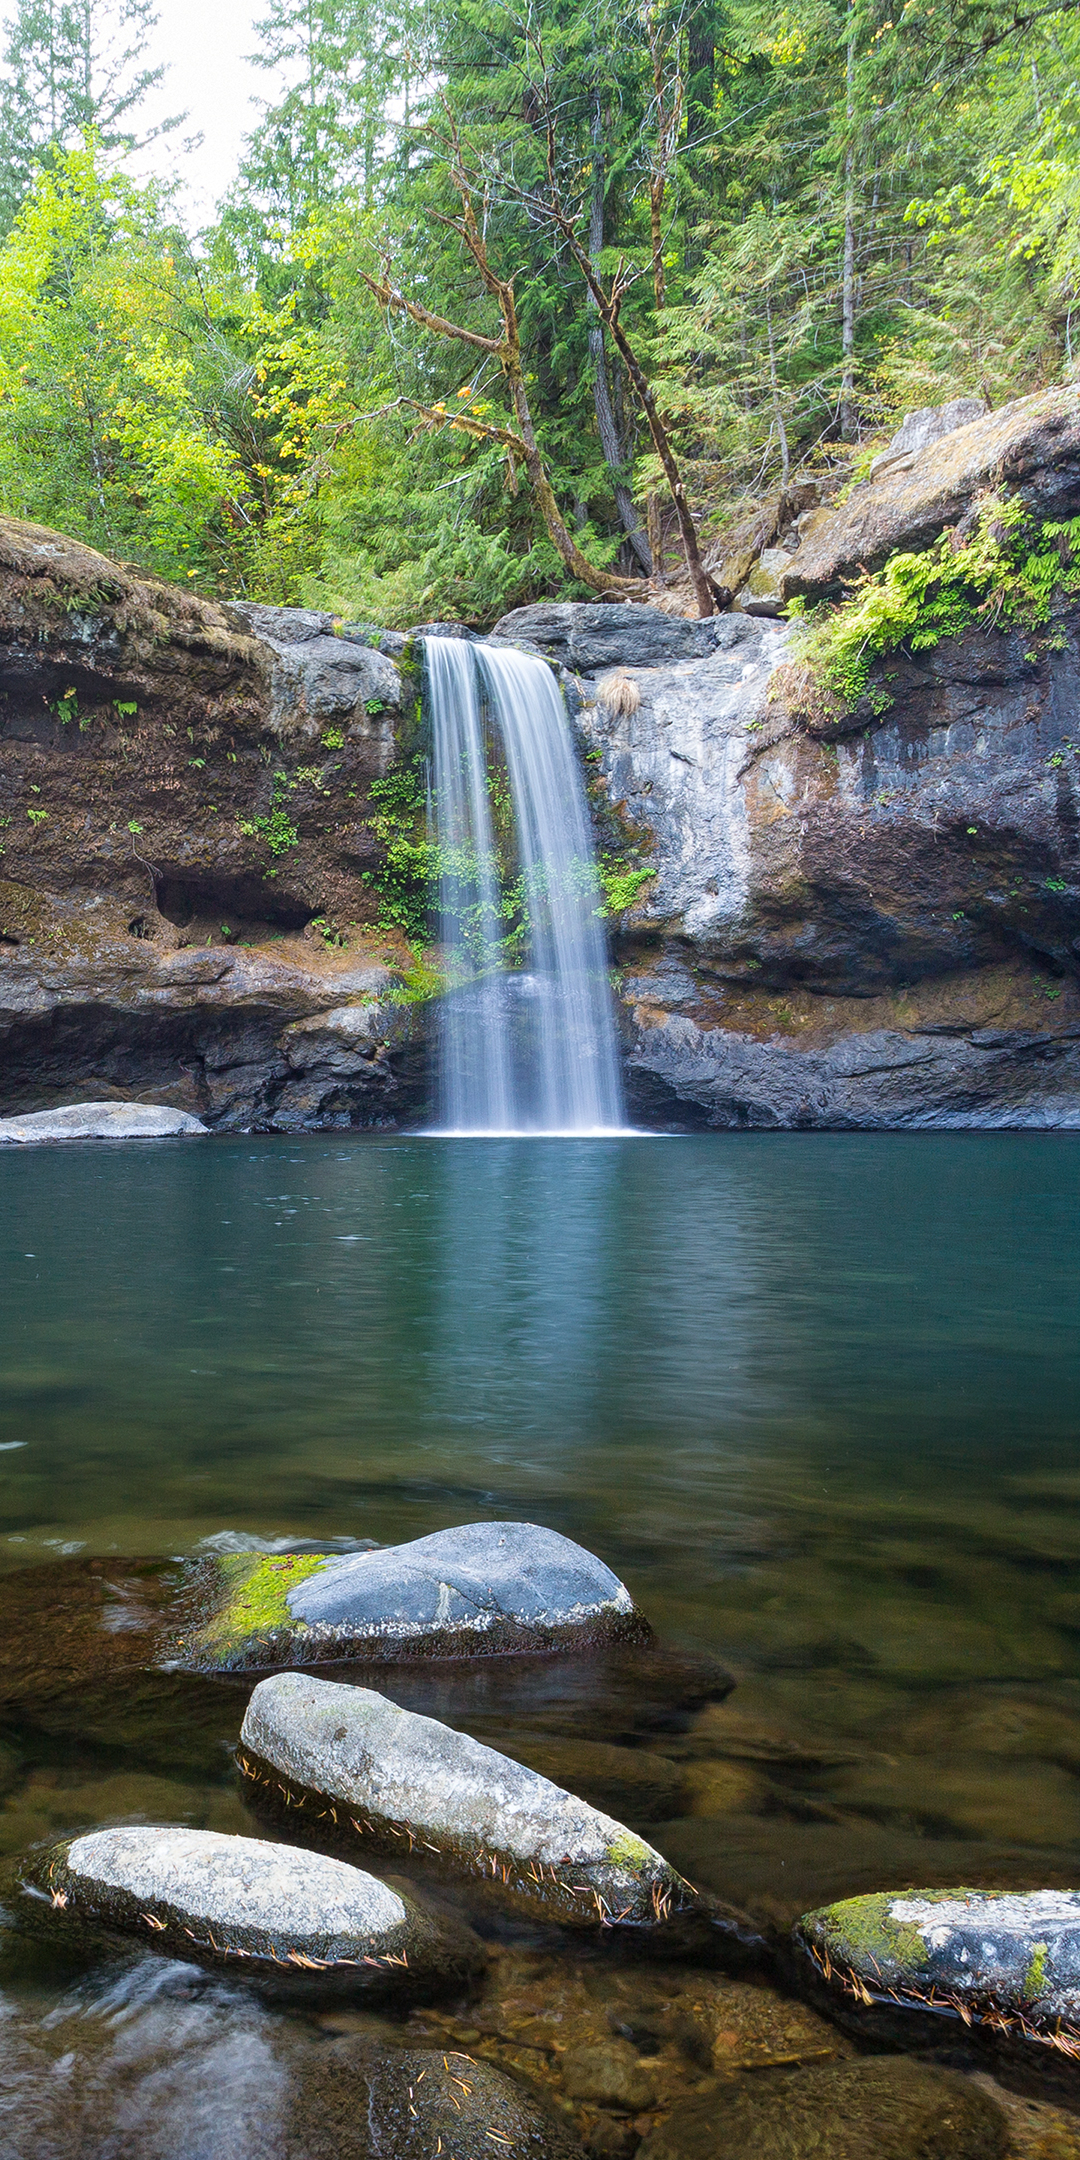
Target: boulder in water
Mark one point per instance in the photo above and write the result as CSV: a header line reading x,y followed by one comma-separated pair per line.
x,y
100,1121
295,1922
395,1780
422,2103
476,1590
1008,1959
881,2109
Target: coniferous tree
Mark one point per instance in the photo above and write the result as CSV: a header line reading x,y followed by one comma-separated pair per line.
x,y
72,66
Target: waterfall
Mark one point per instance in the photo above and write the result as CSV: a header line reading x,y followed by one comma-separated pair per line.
x,y
528,1036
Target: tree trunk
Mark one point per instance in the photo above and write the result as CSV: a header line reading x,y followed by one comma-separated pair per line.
x,y
610,439
847,331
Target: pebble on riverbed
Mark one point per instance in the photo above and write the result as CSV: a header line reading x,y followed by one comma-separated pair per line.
x,y
475,1590
401,1782
1008,1960
881,2109
295,1922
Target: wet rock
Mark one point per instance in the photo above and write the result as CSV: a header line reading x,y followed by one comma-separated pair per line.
x,y
585,636
881,2109
398,1781
480,1588
611,2073
969,1795
422,2103
293,1922
1009,1960
100,1121
919,429
1032,445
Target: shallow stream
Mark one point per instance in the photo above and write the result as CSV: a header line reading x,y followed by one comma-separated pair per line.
x,y
813,1397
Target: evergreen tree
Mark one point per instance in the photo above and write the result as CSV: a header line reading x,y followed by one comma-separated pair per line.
x,y
71,66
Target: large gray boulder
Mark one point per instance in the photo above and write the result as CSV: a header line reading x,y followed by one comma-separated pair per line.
x,y
319,675
1030,447
585,636
400,1778
478,1589
99,1121
1009,1959
293,1921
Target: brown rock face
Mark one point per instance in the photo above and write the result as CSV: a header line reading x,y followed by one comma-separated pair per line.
x,y
1032,445
179,799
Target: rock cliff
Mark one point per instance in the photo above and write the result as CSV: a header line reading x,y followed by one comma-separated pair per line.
x,y
878,929
184,839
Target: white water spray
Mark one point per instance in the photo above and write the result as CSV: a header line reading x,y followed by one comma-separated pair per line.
x,y
527,1048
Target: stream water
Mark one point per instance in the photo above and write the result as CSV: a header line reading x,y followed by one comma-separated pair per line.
x,y
813,1397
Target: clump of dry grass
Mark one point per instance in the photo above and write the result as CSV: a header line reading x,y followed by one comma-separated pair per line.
x,y
619,692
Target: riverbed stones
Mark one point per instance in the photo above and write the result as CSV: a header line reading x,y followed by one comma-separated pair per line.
x,y
296,1922
478,1589
100,1121
423,2103
1007,1959
884,2108
400,1782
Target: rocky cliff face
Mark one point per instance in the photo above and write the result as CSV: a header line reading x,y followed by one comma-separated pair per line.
x,y
183,793
882,929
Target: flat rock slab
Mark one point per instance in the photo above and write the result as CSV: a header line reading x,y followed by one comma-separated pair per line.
x,y
298,1921
881,2109
100,1121
476,1590
393,1779
1008,1959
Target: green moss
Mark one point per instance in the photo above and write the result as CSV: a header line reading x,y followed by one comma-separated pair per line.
x,y
628,1851
1035,1976
1005,574
863,1927
255,1599
620,885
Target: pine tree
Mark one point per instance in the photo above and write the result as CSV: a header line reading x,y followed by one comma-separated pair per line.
x,y
70,66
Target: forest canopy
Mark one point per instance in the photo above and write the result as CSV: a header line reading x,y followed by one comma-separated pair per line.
x,y
513,298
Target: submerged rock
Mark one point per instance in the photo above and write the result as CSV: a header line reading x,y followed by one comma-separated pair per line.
x,y
100,1121
397,1781
480,1588
881,2109
296,1922
1010,1960
422,2103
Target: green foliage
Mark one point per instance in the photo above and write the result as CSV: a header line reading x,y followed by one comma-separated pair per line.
x,y
408,875
1005,574
621,886
275,826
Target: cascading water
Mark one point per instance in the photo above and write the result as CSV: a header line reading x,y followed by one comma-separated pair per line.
x,y
530,1047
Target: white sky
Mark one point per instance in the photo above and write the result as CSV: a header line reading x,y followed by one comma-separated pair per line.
x,y
204,42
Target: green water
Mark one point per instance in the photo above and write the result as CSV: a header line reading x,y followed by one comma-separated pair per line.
x,y
814,1397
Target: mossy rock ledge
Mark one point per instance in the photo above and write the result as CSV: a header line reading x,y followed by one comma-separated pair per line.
x,y
478,1590
359,1769
297,1924
1007,1960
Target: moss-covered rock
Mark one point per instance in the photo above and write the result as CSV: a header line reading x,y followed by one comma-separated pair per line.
x,y
480,1588
1006,1959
